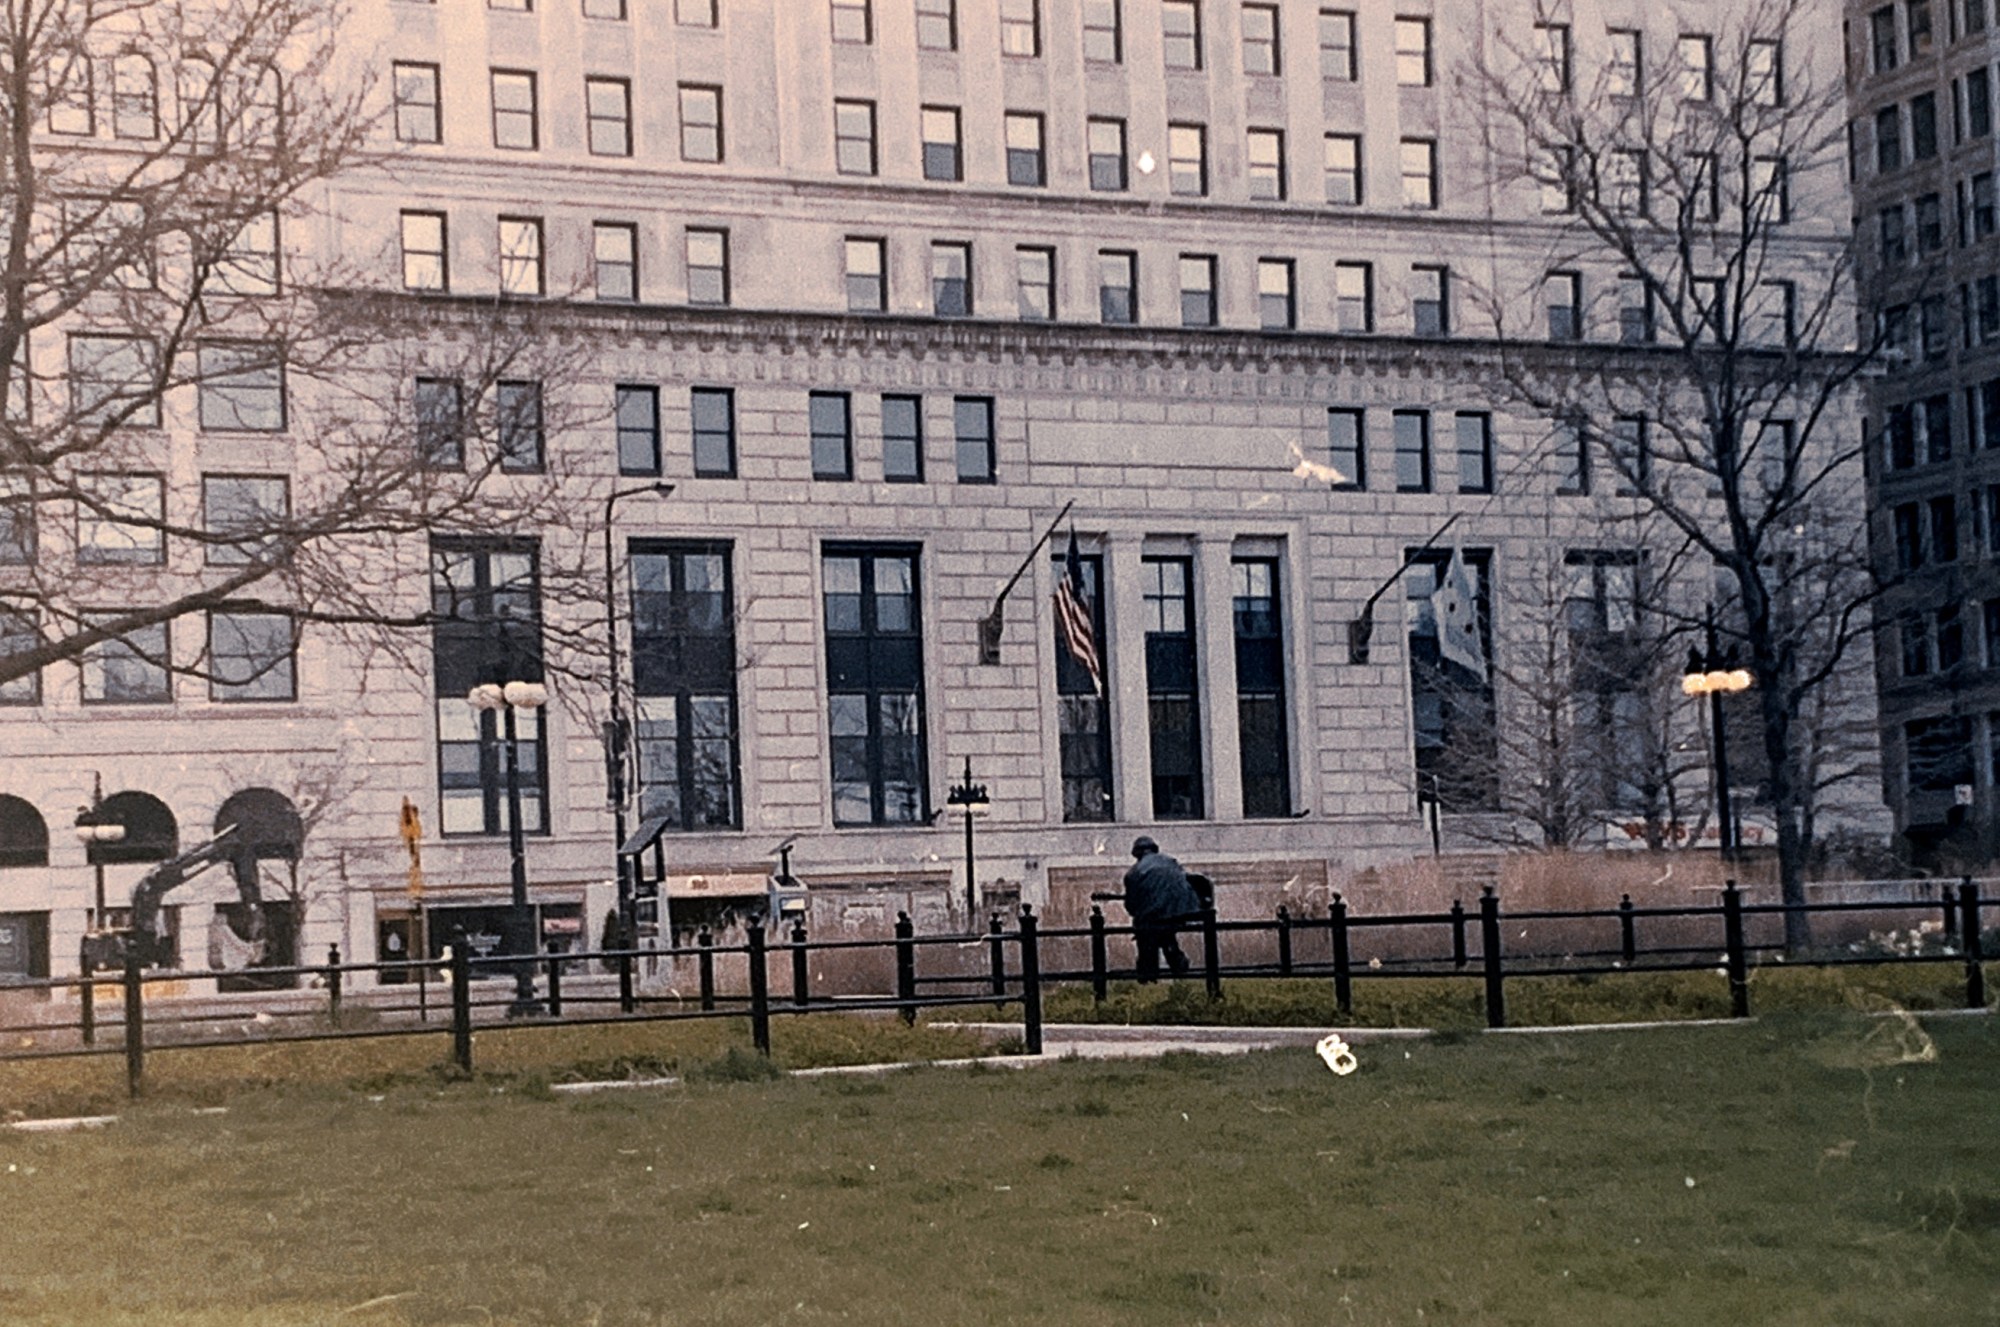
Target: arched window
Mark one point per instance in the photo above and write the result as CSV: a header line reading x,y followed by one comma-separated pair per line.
x,y
24,835
68,84
266,821
151,833
135,97
263,107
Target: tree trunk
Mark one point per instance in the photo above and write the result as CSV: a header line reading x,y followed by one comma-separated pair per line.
x,y
1778,752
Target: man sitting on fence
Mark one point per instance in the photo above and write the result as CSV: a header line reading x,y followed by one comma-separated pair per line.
x,y
1159,897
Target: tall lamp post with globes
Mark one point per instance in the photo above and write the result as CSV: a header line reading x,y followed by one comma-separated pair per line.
x,y
1713,673
506,698
617,730
93,827
971,798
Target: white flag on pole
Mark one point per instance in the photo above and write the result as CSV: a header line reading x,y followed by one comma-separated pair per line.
x,y
1455,607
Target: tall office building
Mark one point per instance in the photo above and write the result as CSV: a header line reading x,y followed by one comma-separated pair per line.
x,y
883,288
1921,87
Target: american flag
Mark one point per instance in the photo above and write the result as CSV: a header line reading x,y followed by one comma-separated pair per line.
x,y
1074,620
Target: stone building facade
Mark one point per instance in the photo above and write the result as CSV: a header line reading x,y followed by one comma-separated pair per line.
x,y
883,287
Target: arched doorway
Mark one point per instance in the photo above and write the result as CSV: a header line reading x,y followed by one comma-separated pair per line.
x,y
266,823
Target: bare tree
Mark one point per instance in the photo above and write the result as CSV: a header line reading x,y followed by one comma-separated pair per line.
x,y
1704,194
163,176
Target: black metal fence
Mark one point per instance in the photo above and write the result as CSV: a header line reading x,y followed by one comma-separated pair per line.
x,y
1000,967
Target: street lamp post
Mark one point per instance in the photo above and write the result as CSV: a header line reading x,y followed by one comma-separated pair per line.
x,y
506,698
92,828
1714,674
617,731
971,797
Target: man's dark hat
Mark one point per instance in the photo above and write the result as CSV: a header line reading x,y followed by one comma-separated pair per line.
x,y
1143,845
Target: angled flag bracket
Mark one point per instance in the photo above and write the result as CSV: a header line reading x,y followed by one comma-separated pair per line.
x,y
994,622
1361,630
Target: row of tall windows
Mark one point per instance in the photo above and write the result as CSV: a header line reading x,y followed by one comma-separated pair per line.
x,y
244,656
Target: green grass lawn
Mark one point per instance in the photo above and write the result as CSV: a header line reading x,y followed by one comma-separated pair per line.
x,y
1798,1170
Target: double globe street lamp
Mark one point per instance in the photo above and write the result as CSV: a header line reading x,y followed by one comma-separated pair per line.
x,y
505,698
1714,674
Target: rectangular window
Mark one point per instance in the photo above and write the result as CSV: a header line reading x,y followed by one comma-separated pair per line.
x,y
1264,756
1118,286
1923,126
438,407
1916,639
517,425
1343,169
694,13
418,115
18,635
1187,160
112,381
1625,73
516,123
903,439
1991,630
1354,297
684,684
1336,45
1413,52
1475,452
1882,34
636,410
1277,308
1552,58
972,426
1197,290
1931,327
1173,702
951,280
1103,32
1943,513
1771,192
867,275
940,139
243,515
242,387
487,612
875,684
1697,52
1569,436
520,256
701,122
1764,71
1917,13
1888,139
1906,523
1451,706
1982,205
1950,638
1180,33
119,519
1978,103
853,24
249,265
132,669
1025,164
70,93
1985,410
1933,418
610,10
1562,299
937,25
1430,300
1107,155
1894,244
830,421
608,111
1260,40
424,263
1773,315
1035,283
1266,149
1413,451
1635,310
135,97
707,266
615,260
1021,28
1632,454
1082,707
712,418
250,657
1420,182
1346,446
854,137
18,527
1704,193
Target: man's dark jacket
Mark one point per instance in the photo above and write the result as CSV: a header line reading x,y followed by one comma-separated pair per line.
x,y
1157,890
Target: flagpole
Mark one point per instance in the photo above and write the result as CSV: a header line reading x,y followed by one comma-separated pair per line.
x,y
990,626
1362,628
